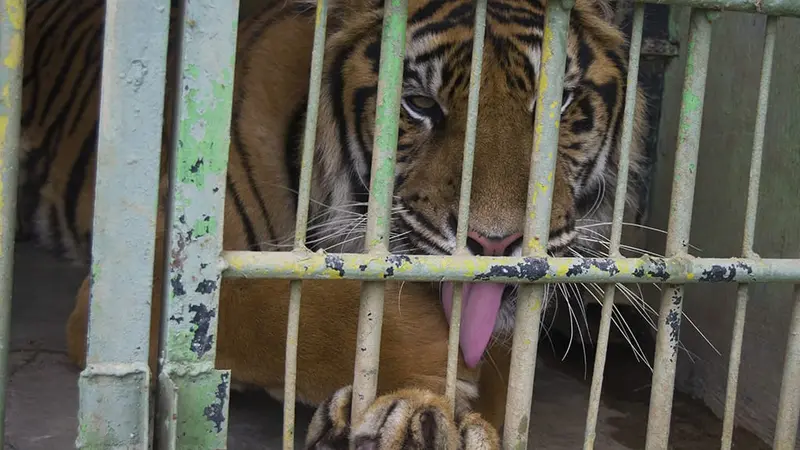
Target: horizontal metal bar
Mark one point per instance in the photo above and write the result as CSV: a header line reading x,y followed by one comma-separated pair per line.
x,y
12,30
677,270
770,7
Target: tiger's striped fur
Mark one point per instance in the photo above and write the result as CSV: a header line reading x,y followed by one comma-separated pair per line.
x,y
61,93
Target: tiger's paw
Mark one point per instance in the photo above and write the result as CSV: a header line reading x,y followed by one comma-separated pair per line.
x,y
407,419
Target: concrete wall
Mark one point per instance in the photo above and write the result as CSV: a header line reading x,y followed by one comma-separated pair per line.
x,y
718,215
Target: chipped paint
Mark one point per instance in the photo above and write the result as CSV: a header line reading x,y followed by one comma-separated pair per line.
x,y
390,83
679,230
365,267
198,401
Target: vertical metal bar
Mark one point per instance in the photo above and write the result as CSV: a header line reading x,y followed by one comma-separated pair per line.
x,y
466,191
749,232
370,316
678,232
193,403
537,226
306,166
115,386
789,400
12,38
616,226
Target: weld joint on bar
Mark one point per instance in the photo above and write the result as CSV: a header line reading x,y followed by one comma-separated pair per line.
x,y
115,370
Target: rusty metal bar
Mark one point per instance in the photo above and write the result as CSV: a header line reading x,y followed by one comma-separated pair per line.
x,y
789,400
749,233
508,269
301,224
466,191
115,385
193,396
590,431
12,38
769,7
678,231
370,317
537,225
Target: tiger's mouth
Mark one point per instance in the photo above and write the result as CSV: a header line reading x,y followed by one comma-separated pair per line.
x,y
487,309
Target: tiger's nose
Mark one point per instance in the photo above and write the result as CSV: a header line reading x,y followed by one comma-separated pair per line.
x,y
484,246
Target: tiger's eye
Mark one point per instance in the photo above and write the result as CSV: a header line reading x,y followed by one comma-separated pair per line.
x,y
421,102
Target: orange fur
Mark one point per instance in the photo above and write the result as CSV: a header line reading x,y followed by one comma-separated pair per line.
x,y
271,82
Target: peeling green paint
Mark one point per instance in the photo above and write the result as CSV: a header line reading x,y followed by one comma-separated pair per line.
x,y
206,124
194,410
204,226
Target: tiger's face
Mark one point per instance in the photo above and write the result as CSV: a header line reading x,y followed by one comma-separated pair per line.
x,y
432,129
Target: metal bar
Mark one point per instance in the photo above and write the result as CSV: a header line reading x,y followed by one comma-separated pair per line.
x,y
789,401
678,231
749,232
537,225
301,225
466,191
12,38
590,432
370,316
115,385
194,396
508,269
769,7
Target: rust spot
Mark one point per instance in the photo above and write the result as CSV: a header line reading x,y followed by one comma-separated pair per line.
x,y
530,269
659,270
202,339
215,411
206,286
395,261
606,265
721,274
335,263
177,286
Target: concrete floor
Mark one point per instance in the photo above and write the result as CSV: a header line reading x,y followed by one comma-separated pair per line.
x,y
42,392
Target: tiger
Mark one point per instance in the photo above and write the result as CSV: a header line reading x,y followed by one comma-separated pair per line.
x,y
63,51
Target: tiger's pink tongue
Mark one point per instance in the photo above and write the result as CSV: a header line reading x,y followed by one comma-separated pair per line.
x,y
480,303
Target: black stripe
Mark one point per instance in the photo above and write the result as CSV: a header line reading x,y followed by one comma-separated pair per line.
x,y
586,123
292,148
360,99
252,244
93,55
47,29
425,224
58,84
427,11
77,178
236,136
459,16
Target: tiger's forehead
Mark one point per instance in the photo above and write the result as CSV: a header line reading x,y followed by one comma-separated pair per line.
x,y
440,40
